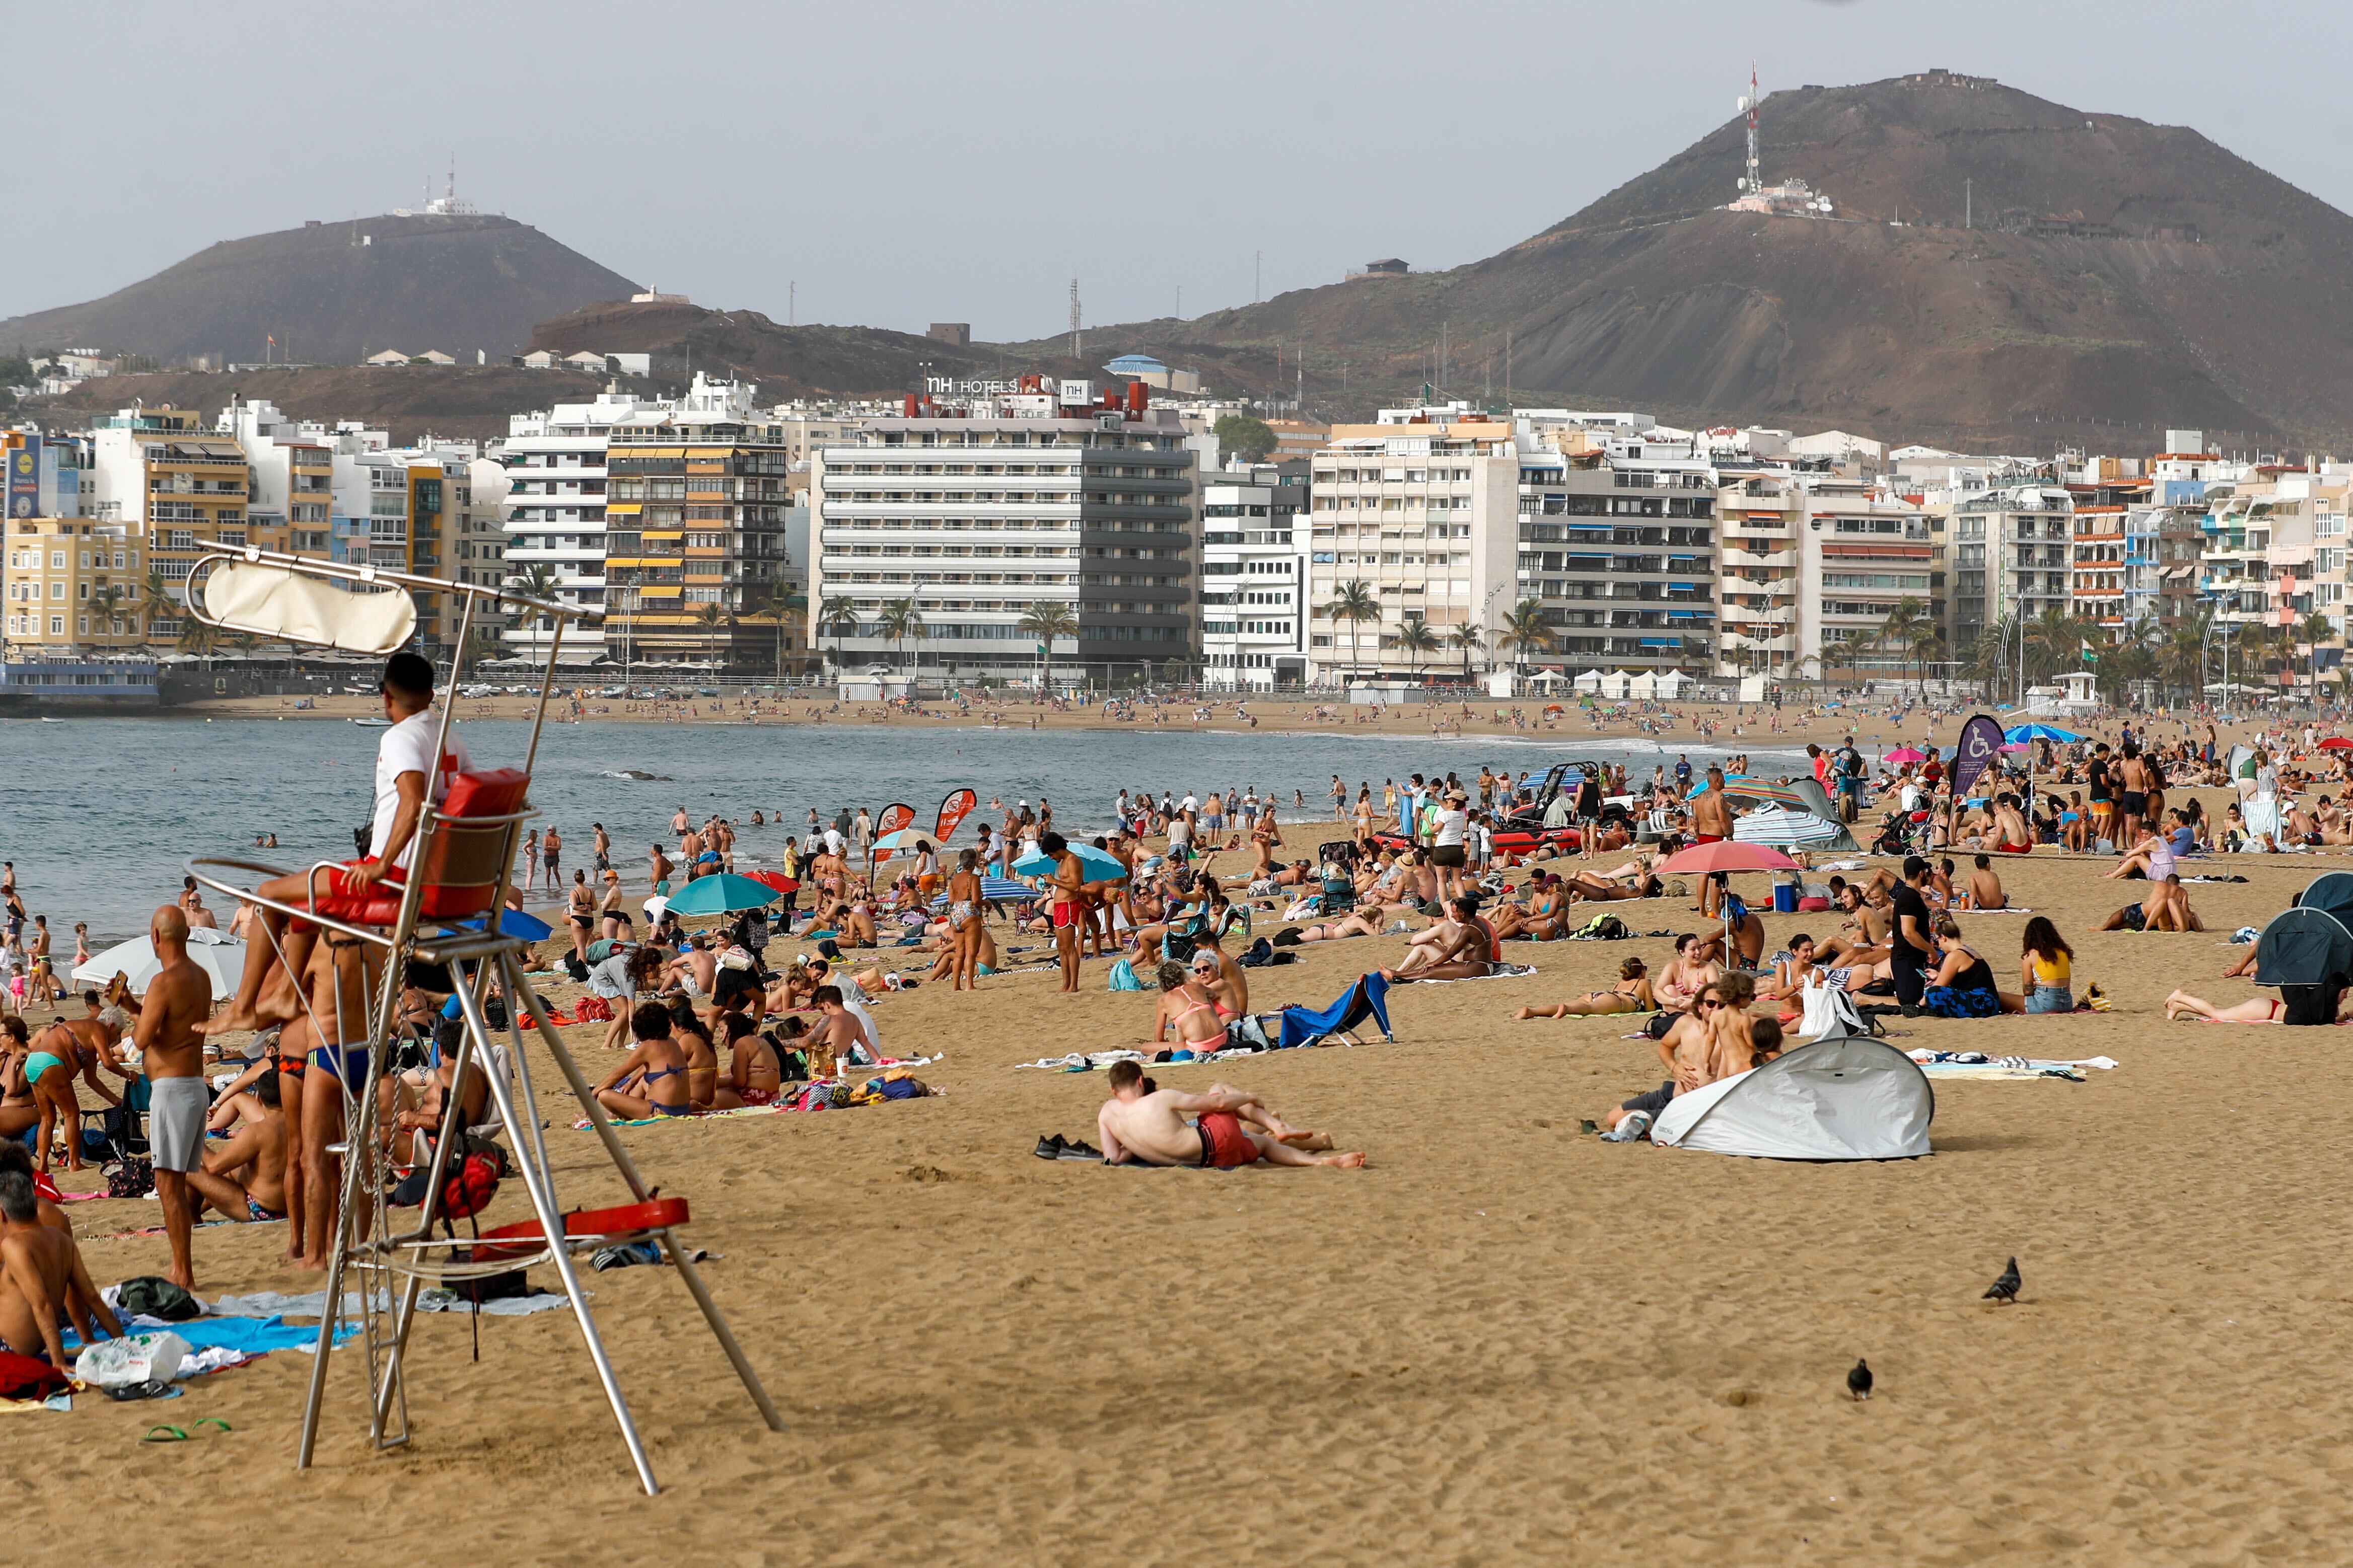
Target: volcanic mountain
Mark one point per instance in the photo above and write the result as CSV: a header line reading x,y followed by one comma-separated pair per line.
x,y
332,292
1996,271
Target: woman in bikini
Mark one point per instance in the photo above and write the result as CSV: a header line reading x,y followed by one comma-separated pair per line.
x,y
656,1070
1186,1009
1540,918
965,922
754,1075
1356,922
1631,995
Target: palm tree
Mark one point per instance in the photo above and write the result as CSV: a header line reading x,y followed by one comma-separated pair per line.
x,y
158,590
836,618
1417,642
198,638
1902,621
2181,660
1045,622
1925,642
774,600
901,619
536,581
1355,602
110,600
2315,630
1468,636
2055,641
1525,628
712,616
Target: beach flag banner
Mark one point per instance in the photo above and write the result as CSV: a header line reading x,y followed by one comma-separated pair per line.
x,y
953,811
893,819
1981,742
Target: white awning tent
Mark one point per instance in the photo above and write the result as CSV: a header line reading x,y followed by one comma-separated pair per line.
x,y
1547,676
1643,686
1672,684
1590,681
1614,684
1843,1097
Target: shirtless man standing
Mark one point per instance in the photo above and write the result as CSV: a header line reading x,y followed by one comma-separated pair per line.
x,y
41,1274
172,1055
1711,817
659,874
1231,1128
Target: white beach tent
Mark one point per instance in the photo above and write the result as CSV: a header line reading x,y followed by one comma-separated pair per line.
x,y
218,954
1590,681
1842,1098
1613,685
1643,686
1672,683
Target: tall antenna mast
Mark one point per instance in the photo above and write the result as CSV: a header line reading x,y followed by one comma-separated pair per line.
x,y
453,178
1756,182
1075,351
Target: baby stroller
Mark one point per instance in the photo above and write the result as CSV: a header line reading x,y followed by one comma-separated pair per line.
x,y
1903,833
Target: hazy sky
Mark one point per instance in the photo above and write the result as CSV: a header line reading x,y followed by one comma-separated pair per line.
x,y
913,162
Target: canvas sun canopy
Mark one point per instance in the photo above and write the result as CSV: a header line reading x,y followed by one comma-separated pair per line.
x,y
276,603
2304,946
1842,1098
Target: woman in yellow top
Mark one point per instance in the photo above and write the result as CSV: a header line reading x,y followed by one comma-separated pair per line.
x,y
2045,973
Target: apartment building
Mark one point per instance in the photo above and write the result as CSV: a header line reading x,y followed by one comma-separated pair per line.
x,y
1426,516
73,586
975,514
2011,555
45,476
696,570
2275,556
1618,547
1864,552
1762,511
178,490
1254,577
556,484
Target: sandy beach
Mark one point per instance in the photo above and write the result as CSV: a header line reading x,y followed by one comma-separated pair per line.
x,y
1504,1341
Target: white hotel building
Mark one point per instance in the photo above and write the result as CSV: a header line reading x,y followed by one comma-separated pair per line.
x,y
1007,500
1254,580
555,511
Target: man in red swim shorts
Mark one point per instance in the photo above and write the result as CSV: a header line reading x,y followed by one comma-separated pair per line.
x,y
1145,1125
406,771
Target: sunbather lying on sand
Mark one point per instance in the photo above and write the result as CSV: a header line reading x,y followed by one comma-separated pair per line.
x,y
1231,1128
1631,995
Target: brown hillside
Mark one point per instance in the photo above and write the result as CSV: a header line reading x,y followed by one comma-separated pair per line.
x,y
2214,294
459,284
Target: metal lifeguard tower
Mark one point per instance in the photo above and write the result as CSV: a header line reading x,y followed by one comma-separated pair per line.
x,y
446,913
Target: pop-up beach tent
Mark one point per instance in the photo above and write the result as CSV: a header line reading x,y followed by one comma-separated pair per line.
x,y
2304,946
1841,1097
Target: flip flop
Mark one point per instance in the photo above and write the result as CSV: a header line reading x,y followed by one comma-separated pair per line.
x,y
212,1421
170,1434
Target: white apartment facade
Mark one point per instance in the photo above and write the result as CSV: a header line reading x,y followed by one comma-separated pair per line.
x,y
971,514
1426,517
1253,583
555,506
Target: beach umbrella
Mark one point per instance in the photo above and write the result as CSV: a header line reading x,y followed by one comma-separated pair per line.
x,y
519,922
2336,743
1094,864
902,842
1904,754
997,889
775,880
218,954
1727,855
720,895
2018,734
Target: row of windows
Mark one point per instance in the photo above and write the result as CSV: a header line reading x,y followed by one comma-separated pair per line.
x,y
29,626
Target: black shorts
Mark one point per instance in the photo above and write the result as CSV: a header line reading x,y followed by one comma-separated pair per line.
x,y
1446,855
2135,917
1655,1102
2134,803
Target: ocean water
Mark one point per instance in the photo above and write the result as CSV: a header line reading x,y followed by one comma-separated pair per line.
x,y
98,814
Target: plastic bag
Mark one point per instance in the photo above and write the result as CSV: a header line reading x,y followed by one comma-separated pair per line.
x,y
135,1358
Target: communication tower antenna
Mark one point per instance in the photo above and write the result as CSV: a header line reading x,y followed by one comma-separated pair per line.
x,y
1754,183
1075,353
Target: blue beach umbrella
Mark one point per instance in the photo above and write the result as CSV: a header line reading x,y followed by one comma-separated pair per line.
x,y
1096,865
519,922
2020,734
720,895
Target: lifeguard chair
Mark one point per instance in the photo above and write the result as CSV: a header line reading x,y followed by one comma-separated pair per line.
x,y
446,913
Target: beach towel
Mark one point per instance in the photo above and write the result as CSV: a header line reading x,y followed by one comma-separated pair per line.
x,y
1494,972
1369,997
272,1305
